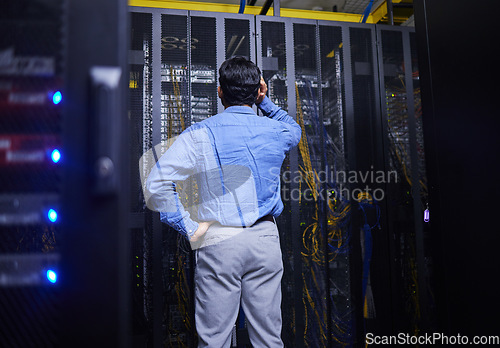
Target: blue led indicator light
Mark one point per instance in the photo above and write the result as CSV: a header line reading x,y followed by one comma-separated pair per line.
x,y
52,215
56,97
55,156
51,276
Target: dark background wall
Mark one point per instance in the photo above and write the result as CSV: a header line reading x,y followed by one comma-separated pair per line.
x,y
458,57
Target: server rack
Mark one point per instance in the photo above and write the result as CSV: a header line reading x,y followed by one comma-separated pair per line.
x,y
317,243
31,77
407,197
173,85
349,267
62,221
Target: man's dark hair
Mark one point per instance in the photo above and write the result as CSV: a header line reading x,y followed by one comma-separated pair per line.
x,y
239,79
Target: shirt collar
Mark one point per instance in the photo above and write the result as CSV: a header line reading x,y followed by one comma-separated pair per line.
x,y
239,109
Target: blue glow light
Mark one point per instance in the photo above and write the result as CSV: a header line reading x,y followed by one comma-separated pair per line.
x,y
55,156
51,276
56,97
52,215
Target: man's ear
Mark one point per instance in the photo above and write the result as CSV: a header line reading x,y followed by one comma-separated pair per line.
x,y
221,96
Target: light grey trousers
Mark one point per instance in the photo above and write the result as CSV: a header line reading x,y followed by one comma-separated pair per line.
x,y
247,269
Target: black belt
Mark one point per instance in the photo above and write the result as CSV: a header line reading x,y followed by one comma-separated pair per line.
x,y
266,218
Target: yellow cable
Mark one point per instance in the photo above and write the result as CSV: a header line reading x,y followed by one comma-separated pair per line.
x,y
177,94
303,145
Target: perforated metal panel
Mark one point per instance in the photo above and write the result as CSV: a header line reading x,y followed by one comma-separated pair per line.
x,y
419,133
311,161
204,68
293,55
338,212
237,36
273,61
141,139
404,143
276,61
175,75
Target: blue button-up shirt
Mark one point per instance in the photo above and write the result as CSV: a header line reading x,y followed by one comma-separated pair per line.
x,y
231,162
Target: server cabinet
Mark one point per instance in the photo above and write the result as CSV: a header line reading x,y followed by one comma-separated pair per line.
x,y
302,63
406,197
31,161
62,226
380,267
174,61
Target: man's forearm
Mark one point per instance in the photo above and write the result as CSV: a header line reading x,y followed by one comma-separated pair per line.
x,y
172,212
273,111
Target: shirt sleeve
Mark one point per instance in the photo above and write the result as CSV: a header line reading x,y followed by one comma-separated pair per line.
x,y
274,112
177,164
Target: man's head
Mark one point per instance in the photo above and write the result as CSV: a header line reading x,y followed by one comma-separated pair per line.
x,y
239,81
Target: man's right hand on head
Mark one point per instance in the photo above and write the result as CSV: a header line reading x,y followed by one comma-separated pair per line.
x,y
262,91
